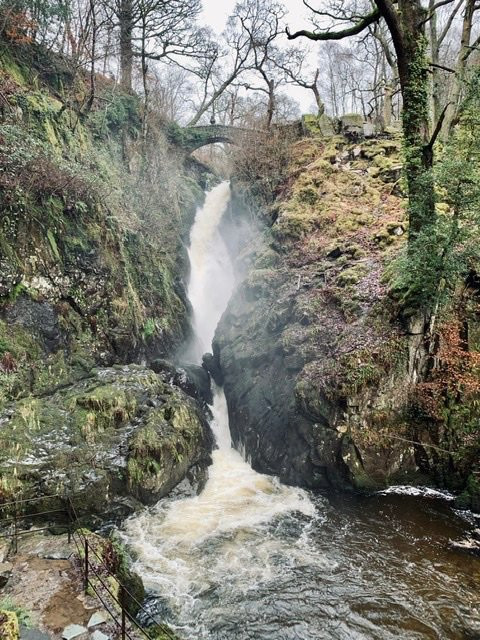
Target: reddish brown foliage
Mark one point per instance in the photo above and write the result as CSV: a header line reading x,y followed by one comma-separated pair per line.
x,y
8,363
457,374
18,26
459,367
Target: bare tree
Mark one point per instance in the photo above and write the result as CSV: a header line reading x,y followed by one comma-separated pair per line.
x,y
225,68
293,66
466,48
126,23
261,21
406,21
171,92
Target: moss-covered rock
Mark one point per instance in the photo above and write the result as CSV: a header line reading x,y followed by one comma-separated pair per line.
x,y
171,442
81,439
318,370
9,627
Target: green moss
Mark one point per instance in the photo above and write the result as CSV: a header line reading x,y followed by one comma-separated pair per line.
x,y
22,615
169,438
161,632
53,244
106,406
13,69
149,328
309,195
352,275
9,627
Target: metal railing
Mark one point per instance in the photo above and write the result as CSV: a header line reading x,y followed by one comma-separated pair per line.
x,y
18,516
126,623
95,570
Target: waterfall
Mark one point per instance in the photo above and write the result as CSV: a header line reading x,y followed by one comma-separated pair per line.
x,y
252,559
211,273
173,541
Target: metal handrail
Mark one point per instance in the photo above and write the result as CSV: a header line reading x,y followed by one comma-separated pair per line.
x,y
124,613
29,500
88,568
5,521
20,516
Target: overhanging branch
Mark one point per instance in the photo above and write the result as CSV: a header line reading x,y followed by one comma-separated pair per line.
x,y
337,35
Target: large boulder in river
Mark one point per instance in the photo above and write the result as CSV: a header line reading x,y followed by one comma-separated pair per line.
x,y
168,447
122,434
191,378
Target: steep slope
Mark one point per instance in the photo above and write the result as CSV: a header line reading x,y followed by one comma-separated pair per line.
x,y
92,257
320,371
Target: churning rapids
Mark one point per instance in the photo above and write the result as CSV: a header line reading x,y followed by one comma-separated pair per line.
x,y
250,558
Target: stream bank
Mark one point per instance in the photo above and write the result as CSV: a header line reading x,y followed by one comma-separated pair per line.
x,y
92,266
317,362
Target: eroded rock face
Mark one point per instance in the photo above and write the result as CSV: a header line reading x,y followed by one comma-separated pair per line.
x,y
281,408
123,432
325,384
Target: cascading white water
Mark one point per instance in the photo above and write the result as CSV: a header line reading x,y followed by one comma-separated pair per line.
x,y
173,540
251,559
211,273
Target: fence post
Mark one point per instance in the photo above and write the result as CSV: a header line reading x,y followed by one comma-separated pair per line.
x,y
86,566
69,518
15,529
122,604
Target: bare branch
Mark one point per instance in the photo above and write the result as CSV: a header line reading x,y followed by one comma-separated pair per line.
x,y
438,127
337,35
442,67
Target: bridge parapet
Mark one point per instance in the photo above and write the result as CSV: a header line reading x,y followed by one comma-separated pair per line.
x,y
191,138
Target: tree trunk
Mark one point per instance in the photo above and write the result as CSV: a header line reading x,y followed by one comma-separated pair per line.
x,y
461,65
125,17
145,86
318,100
93,54
271,102
408,33
434,53
387,105
206,104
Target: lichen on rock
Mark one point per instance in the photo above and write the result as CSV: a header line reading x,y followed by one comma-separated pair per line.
x,y
317,362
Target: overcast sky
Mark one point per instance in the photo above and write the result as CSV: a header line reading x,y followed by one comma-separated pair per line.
x,y
216,12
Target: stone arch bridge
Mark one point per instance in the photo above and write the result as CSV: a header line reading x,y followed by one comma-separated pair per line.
x,y
192,138
352,126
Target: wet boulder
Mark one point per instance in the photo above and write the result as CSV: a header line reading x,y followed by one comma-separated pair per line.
x,y
124,433
211,362
171,441
193,379
196,382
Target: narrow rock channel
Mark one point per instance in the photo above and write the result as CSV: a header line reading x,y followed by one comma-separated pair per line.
x,y
292,563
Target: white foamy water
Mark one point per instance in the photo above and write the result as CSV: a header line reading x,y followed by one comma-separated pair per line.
x,y
211,273
251,559
418,492
192,545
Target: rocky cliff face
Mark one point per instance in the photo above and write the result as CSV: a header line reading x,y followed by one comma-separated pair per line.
x,y
122,436
320,373
92,263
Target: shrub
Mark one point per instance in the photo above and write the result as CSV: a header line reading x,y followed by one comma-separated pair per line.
x,y
261,161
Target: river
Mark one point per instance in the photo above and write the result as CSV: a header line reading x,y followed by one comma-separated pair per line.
x,y
250,558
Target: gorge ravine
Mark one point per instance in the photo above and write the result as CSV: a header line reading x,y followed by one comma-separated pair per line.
x,y
250,558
